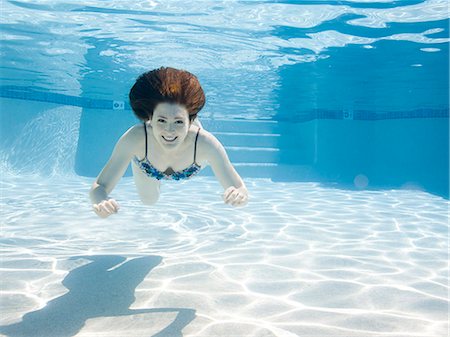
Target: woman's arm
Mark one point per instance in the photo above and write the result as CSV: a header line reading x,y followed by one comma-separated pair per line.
x,y
111,174
236,193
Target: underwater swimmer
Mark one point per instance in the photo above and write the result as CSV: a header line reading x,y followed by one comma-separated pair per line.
x,y
170,144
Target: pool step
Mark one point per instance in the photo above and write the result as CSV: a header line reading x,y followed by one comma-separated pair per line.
x,y
236,139
275,172
240,126
252,146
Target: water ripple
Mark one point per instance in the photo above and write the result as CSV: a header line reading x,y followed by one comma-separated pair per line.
x,y
316,261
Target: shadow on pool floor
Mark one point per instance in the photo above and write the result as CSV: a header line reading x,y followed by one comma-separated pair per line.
x,y
103,288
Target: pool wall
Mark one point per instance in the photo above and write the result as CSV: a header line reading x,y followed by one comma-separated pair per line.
x,y
47,138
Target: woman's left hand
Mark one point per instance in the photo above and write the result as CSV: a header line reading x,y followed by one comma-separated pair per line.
x,y
236,196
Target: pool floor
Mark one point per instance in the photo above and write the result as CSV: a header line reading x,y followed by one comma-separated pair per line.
x,y
300,260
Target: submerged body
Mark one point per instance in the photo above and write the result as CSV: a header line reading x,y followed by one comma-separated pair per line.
x,y
151,171
170,144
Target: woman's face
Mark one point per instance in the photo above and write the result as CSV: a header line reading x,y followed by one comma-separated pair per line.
x,y
170,123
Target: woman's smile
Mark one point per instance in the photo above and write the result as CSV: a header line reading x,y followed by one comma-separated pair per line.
x,y
169,139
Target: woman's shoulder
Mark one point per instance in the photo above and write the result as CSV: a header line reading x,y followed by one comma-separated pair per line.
x,y
206,138
208,144
136,131
134,135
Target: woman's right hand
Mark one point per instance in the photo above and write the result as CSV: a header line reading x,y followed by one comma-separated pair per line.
x,y
106,207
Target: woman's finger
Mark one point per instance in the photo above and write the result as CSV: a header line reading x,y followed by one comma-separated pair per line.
x,y
100,211
232,197
110,207
238,200
228,192
115,204
241,199
104,209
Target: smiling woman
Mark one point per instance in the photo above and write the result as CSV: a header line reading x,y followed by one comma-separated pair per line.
x,y
169,145
170,131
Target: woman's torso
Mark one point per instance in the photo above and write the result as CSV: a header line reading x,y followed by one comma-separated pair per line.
x,y
156,162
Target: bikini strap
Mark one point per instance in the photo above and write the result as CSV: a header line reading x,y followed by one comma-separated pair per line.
x,y
145,130
195,145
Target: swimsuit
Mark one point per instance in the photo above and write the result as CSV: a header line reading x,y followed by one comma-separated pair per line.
x,y
153,172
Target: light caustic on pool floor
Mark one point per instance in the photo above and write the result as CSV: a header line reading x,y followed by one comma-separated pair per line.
x,y
299,260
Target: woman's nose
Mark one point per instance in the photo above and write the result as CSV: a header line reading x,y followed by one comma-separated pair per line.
x,y
170,127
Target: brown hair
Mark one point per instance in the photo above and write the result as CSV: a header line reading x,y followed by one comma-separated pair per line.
x,y
166,85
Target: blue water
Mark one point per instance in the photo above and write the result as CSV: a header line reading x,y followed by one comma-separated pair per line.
x,y
297,64
334,112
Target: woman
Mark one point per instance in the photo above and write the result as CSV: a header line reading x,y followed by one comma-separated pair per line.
x,y
170,144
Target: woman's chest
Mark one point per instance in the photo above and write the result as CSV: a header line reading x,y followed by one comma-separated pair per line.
x,y
171,160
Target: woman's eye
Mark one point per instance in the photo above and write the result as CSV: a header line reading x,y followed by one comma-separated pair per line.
x,y
161,121
179,122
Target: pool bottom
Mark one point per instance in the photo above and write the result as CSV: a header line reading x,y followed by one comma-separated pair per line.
x,y
299,260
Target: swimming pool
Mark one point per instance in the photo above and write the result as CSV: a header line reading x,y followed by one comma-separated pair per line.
x,y
336,114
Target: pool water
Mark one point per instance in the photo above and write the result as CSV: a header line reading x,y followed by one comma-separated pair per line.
x,y
300,260
334,112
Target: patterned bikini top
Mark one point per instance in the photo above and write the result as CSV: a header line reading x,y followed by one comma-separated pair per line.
x,y
169,174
